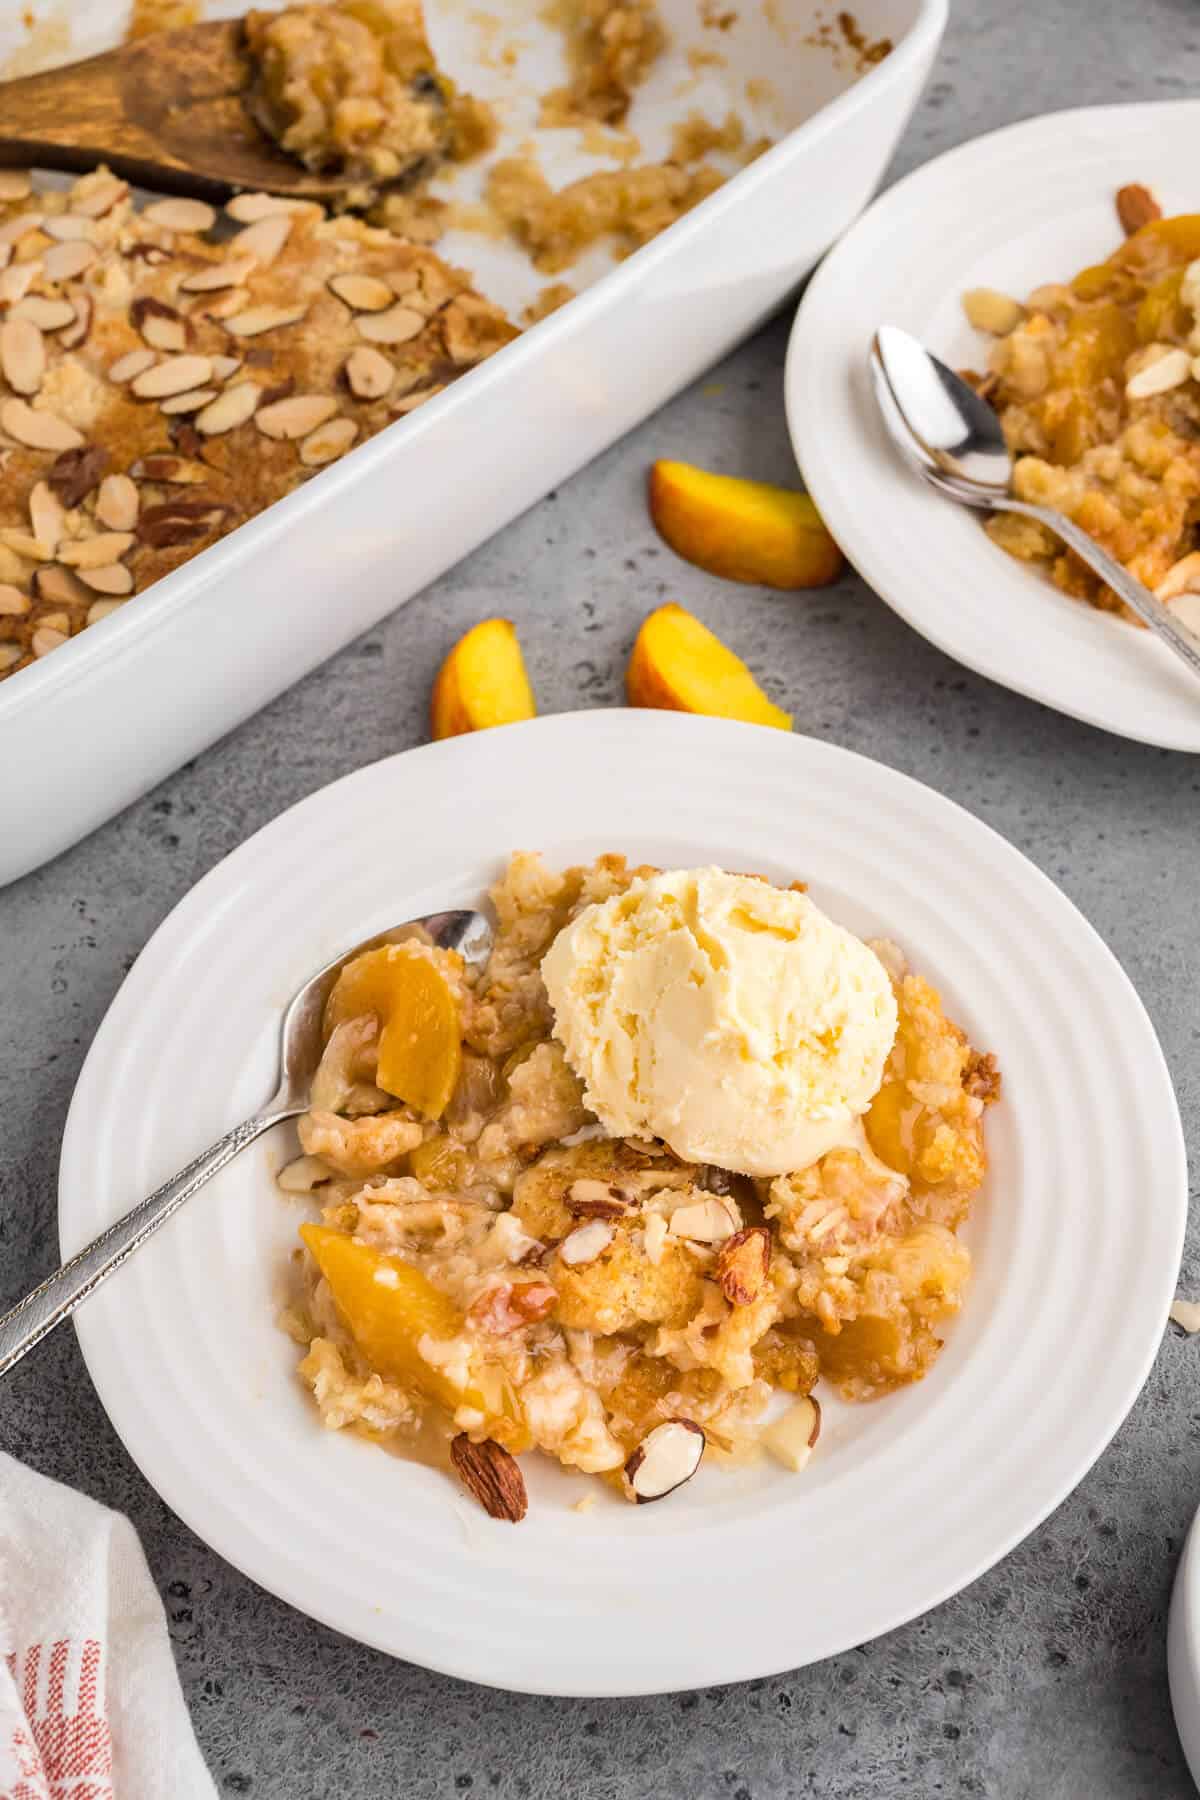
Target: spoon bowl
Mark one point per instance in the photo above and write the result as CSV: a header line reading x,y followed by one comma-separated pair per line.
x,y
301,1044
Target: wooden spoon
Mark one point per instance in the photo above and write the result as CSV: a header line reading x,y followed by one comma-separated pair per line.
x,y
166,112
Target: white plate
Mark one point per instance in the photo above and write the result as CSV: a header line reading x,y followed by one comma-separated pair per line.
x,y
1183,1650
1025,205
1077,1236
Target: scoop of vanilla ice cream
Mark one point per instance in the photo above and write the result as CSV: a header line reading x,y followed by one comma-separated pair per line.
x,y
732,1019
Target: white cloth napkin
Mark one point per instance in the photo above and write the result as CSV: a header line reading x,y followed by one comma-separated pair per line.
x,y
90,1703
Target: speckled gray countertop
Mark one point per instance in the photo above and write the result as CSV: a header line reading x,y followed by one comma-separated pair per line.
x,y
1046,1680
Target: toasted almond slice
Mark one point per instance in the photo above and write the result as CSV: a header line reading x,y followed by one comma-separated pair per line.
x,y
113,579
229,410
134,362
248,209
328,442
100,609
22,543
264,240
368,373
395,326
163,333
224,305
410,402
257,319
584,1245
215,276
62,262
225,366
58,621
9,654
95,552
1166,367
176,470
13,230
667,1456
362,293
13,603
5,255
117,503
38,430
192,401
704,1221
47,514
47,315
45,639
16,282
54,583
81,324
22,355
791,1438
296,416
69,228
95,201
174,376
180,215
15,184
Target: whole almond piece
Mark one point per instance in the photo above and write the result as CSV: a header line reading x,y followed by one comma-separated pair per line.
x,y
229,410
47,315
13,603
395,326
257,319
113,579
58,585
362,293
296,416
22,355
368,373
131,364
38,430
47,514
742,1264
117,503
327,443
15,184
95,552
62,262
1136,206
173,376
180,215
489,1473
264,240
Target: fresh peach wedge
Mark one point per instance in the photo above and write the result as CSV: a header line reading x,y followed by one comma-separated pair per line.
x,y
742,530
677,663
482,682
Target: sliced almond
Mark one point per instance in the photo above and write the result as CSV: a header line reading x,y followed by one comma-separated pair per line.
x,y
16,282
23,543
95,552
174,376
791,1438
47,315
58,585
586,1244
13,230
265,239
303,1174
395,326
100,609
361,293
368,373
13,603
247,209
95,201
666,1458
222,306
9,654
117,503
22,355
38,430
59,621
1165,367
327,443
160,324
81,324
47,514
215,276
170,469
45,639
62,262
69,228
180,215
493,1476
591,1199
192,401
114,578
654,1237
15,184
703,1222
410,402
225,366
296,416
131,364
257,319
229,410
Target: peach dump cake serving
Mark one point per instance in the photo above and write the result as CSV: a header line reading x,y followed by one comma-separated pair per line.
x,y
684,1142
1096,381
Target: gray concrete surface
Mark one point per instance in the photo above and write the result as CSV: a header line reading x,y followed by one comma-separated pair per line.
x,y
1046,1680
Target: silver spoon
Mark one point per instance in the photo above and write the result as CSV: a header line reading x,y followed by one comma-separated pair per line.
x,y
953,440
300,1051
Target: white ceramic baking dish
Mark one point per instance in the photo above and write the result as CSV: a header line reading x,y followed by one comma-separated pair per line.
x,y
92,726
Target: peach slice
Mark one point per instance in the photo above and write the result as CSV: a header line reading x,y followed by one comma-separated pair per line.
x,y
678,664
482,682
388,1306
420,1040
743,530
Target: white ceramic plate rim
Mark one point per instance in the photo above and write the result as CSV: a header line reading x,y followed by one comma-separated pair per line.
x,y
667,758
970,218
